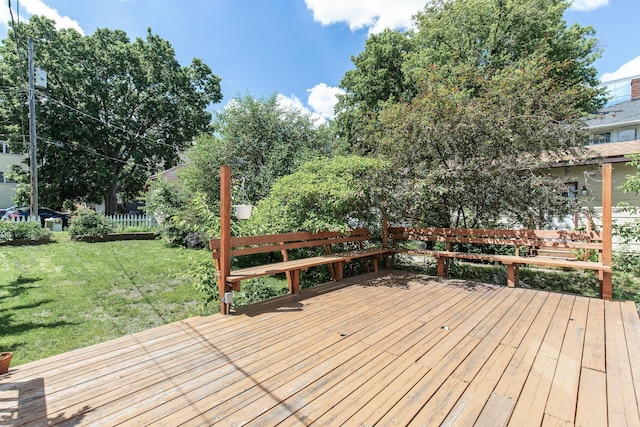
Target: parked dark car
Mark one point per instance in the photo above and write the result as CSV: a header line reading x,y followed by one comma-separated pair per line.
x,y
5,210
15,212
44,213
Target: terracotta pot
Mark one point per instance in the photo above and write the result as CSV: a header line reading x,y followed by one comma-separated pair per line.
x,y
5,361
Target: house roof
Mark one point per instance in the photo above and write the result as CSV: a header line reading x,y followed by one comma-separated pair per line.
x,y
625,113
613,152
169,174
613,149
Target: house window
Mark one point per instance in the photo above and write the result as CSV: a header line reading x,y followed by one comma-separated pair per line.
x,y
4,147
601,138
1,177
572,190
626,135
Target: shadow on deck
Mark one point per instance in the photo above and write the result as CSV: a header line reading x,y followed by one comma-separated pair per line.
x,y
382,348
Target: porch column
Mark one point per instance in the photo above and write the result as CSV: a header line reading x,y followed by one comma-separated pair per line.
x,y
225,236
607,240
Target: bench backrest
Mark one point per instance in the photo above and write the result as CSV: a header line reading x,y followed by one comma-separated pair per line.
x,y
569,239
282,242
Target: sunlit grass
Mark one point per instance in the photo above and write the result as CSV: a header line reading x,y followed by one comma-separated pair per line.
x,y
66,295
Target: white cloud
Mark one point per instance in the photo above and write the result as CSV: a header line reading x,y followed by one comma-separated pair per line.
x,y
295,103
37,7
373,14
630,69
5,17
323,98
587,5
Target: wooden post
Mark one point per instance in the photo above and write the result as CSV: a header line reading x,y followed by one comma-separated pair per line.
x,y
607,240
385,240
225,236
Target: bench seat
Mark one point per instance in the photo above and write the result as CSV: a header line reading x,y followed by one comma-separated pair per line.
x,y
337,247
562,245
304,264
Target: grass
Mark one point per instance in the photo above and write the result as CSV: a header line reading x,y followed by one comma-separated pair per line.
x,y
65,295
626,281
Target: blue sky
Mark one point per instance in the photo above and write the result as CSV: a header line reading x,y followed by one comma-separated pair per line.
x,y
298,49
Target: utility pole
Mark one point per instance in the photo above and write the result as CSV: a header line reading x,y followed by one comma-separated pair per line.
x,y
33,147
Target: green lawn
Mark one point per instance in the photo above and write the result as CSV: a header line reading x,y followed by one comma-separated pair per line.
x,y
66,295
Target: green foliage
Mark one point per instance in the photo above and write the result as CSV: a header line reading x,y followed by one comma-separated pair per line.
x,y
328,194
257,290
627,262
166,201
630,231
88,222
467,160
260,140
492,35
180,214
626,277
471,106
206,283
21,230
632,184
378,76
68,206
22,196
119,107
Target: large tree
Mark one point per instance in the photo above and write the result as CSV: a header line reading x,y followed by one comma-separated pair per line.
x,y
261,140
492,93
114,110
378,76
489,35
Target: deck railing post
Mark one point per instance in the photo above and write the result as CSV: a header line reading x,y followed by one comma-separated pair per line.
x,y
607,240
225,236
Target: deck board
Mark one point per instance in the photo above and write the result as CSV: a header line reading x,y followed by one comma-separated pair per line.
x,y
385,348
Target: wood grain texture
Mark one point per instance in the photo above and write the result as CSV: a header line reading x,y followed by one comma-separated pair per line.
x,y
386,348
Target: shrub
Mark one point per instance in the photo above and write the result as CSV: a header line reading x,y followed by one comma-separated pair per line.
x,y
90,223
257,290
171,206
22,230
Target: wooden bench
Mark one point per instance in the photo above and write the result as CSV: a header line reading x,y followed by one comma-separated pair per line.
x,y
283,243
531,240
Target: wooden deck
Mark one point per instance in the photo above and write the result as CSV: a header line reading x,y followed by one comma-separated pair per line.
x,y
386,348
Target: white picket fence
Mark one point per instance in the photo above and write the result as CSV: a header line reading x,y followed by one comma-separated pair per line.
x,y
121,221
132,220
23,219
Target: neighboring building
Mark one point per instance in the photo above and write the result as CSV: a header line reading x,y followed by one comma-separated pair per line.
x,y
619,122
615,135
619,90
7,188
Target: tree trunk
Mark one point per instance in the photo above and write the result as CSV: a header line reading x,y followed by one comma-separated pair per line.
x,y
111,201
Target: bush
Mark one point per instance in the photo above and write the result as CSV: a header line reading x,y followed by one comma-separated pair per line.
x,y
23,230
257,290
90,223
171,206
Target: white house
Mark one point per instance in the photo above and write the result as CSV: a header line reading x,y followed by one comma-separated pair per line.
x,y
7,188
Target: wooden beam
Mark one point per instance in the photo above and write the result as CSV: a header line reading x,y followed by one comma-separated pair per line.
x,y
225,236
607,240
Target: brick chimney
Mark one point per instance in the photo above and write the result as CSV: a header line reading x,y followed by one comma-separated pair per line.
x,y
635,88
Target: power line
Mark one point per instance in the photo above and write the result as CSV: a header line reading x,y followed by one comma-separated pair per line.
x,y
108,124
20,69
92,151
